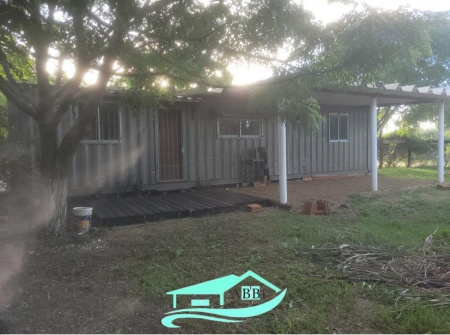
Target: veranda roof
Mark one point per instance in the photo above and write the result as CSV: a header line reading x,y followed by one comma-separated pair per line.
x,y
357,95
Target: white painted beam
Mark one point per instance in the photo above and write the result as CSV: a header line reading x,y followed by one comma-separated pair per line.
x,y
374,143
441,148
282,161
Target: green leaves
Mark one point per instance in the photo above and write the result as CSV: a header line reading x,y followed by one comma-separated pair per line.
x,y
183,43
291,101
365,43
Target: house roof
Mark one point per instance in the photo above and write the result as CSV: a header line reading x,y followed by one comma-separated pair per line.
x,y
356,95
221,285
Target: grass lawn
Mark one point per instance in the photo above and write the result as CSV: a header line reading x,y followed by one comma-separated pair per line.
x,y
425,172
276,244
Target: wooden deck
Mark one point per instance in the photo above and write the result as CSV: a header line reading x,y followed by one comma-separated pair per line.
x,y
159,207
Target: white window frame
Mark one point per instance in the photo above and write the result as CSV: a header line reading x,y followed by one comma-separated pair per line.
x,y
240,135
338,123
99,140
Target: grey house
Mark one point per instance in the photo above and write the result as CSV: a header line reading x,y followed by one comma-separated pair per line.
x,y
209,139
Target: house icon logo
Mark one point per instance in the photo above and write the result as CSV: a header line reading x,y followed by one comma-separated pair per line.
x,y
216,299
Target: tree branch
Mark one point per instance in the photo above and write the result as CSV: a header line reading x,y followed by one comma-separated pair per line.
x,y
17,99
100,21
67,94
6,68
386,117
40,44
75,134
59,71
259,57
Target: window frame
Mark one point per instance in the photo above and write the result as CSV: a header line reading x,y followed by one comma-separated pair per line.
x,y
240,135
339,115
99,140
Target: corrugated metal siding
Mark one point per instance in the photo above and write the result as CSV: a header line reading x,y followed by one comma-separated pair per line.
x,y
314,154
207,159
211,160
112,165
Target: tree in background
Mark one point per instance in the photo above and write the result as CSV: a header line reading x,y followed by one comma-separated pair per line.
x,y
3,120
354,50
408,145
432,70
140,44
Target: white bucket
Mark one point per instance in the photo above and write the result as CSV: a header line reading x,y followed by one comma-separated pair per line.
x,y
82,218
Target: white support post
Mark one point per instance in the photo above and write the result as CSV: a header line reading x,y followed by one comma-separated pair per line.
x,y
282,161
374,143
441,149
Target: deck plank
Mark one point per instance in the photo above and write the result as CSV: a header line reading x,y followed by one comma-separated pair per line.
x,y
211,200
100,207
122,205
130,206
176,204
157,207
195,205
144,210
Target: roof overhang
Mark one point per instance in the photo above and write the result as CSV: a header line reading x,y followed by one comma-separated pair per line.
x,y
387,95
357,96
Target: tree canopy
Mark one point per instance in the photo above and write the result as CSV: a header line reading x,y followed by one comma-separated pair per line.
x,y
354,50
430,69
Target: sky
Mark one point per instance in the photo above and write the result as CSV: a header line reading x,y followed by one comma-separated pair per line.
x,y
325,12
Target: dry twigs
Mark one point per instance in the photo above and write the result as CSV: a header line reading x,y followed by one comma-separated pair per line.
x,y
374,265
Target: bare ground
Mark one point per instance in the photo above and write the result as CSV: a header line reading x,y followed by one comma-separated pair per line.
x,y
335,190
74,285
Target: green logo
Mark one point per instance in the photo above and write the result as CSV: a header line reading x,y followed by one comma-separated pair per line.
x,y
216,299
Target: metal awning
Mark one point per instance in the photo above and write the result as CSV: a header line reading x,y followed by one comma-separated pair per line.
x,y
357,95
386,94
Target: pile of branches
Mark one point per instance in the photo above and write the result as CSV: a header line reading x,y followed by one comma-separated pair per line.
x,y
421,270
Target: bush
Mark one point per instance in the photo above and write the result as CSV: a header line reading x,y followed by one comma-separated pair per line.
x,y
19,179
409,147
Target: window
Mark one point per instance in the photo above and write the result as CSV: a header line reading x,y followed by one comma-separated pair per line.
x,y
239,128
338,127
105,125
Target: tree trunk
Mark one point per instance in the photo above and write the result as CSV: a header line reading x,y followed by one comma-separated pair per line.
x,y
381,149
57,199
409,156
55,174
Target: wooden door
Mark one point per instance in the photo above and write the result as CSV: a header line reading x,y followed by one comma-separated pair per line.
x,y
170,133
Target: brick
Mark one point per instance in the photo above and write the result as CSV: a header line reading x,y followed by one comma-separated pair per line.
x,y
254,208
310,207
323,207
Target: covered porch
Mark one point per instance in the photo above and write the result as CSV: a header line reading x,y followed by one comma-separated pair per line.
x,y
373,97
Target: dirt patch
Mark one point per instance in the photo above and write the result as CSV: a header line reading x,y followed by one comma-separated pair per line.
x,y
74,285
334,190
81,285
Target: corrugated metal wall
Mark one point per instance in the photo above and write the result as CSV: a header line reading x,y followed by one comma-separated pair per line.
x,y
207,159
315,154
